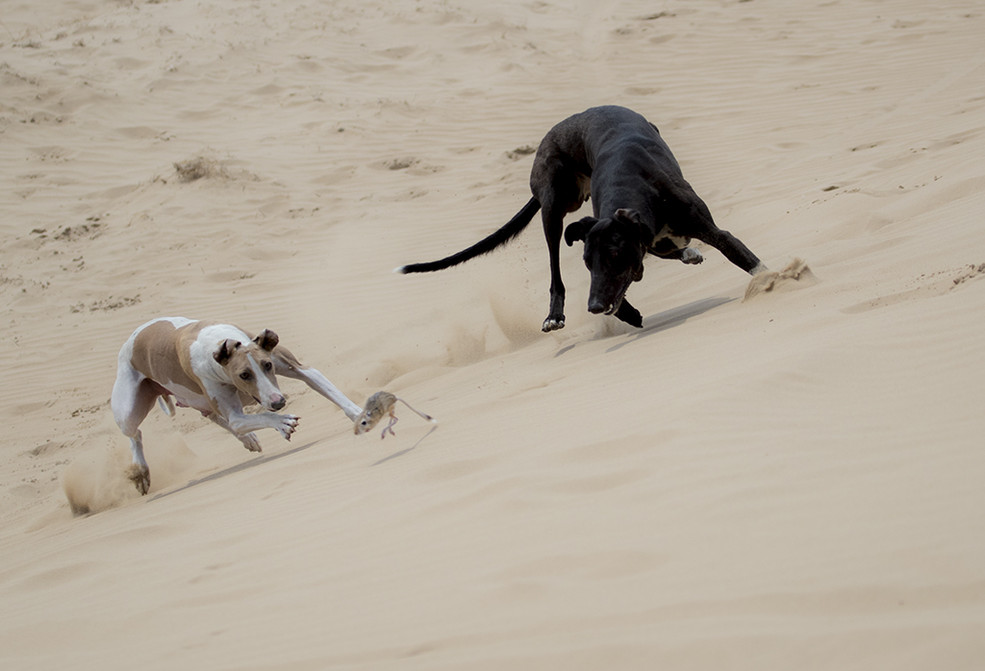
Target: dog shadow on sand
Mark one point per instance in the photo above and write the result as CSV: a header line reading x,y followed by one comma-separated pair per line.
x,y
664,320
673,317
242,466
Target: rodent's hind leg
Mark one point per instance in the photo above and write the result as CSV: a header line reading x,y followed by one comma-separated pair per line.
x,y
389,426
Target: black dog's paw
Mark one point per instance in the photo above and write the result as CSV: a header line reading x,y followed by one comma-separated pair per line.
x,y
691,256
552,324
629,314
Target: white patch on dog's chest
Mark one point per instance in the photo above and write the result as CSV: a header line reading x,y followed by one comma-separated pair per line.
x,y
188,398
679,241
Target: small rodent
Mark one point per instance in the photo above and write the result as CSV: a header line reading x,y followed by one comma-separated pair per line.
x,y
379,404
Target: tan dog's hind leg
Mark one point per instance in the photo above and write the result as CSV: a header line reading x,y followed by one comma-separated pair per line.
x,y
132,399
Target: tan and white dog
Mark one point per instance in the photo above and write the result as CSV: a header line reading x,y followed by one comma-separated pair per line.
x,y
214,368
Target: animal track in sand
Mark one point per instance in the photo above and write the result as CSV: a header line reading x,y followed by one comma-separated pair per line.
x,y
520,152
205,166
197,168
89,230
400,163
932,284
413,165
968,273
107,304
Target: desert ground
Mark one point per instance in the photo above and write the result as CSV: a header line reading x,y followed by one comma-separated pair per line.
x,y
792,480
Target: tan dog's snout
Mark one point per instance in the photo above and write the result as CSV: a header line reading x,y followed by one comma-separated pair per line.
x,y
268,394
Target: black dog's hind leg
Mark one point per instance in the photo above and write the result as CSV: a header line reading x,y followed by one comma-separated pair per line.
x,y
733,249
553,227
705,230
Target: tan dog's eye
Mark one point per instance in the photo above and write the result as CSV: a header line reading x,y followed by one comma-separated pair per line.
x,y
245,375
267,365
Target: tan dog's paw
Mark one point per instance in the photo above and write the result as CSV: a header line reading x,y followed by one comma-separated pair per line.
x,y
287,425
140,477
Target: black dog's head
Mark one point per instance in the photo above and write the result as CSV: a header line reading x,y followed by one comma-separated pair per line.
x,y
614,251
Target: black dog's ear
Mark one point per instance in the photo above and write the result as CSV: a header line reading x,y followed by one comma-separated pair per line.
x,y
627,214
632,221
267,340
578,230
225,350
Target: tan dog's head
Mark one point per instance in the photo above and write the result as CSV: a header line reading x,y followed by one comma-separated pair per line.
x,y
250,368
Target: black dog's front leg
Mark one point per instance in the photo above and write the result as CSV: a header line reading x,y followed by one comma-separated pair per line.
x,y
555,318
629,314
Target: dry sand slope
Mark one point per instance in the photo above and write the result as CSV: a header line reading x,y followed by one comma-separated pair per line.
x,y
788,481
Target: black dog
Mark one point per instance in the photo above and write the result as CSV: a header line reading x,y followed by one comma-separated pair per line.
x,y
641,201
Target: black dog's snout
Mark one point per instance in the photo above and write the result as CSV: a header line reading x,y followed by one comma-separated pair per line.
x,y
597,307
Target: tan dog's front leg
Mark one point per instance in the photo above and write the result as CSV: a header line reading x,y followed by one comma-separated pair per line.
x,y
249,440
242,424
228,407
288,365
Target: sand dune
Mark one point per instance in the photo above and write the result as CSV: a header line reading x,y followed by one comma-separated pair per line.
x,y
778,480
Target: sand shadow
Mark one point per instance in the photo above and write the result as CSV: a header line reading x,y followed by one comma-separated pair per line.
x,y
659,322
673,317
246,465
406,450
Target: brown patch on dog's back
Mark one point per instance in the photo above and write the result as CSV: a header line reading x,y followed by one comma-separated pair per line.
x,y
154,355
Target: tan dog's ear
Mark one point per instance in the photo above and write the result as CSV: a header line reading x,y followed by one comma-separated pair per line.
x,y
225,350
267,340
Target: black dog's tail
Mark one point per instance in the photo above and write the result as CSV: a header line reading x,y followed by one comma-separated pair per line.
x,y
512,228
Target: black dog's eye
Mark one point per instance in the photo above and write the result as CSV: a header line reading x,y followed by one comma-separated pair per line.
x,y
245,375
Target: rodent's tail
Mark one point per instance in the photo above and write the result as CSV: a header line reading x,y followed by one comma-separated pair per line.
x,y
509,231
423,415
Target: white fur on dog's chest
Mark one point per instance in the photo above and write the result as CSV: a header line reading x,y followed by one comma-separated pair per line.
x,y
186,397
665,233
